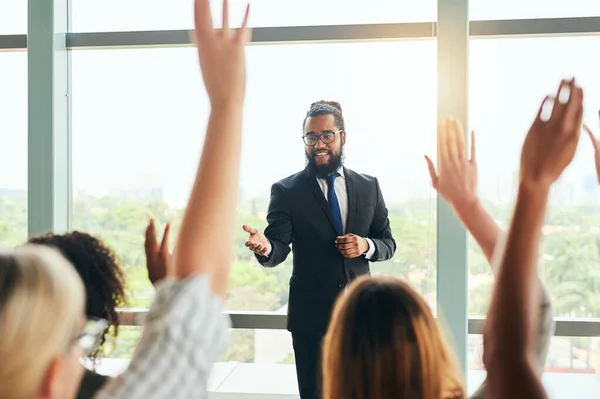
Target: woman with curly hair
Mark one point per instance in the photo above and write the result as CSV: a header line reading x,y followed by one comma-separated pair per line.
x,y
104,283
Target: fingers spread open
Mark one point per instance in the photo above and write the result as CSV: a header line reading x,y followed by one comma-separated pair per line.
x,y
458,139
444,150
571,118
244,32
592,137
225,17
164,245
150,242
202,17
432,172
562,97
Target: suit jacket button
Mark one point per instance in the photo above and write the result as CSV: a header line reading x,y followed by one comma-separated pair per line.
x,y
341,285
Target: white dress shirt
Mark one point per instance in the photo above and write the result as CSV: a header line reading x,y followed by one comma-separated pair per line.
x,y
339,186
341,192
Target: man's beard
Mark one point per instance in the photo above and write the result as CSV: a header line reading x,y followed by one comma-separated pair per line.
x,y
324,170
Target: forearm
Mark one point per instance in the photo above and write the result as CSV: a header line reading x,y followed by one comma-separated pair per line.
x,y
515,303
481,226
204,244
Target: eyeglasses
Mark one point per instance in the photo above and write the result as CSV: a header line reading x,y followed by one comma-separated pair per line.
x,y
91,335
327,137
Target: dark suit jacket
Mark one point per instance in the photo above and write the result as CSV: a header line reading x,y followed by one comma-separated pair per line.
x,y
299,214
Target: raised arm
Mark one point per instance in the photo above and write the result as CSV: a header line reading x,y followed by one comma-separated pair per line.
x,y
186,330
509,336
207,229
456,181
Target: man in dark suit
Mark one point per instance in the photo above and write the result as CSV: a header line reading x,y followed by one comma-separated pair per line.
x,y
336,221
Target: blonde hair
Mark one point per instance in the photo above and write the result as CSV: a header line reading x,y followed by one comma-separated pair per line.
x,y
383,342
41,305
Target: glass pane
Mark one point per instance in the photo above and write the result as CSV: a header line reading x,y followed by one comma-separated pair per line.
x,y
138,123
100,15
515,9
13,140
509,78
571,366
13,17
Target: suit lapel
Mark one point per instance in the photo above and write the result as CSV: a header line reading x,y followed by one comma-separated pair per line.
x,y
320,198
350,189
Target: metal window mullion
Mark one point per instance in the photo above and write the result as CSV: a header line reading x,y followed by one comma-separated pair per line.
x,y
453,58
48,134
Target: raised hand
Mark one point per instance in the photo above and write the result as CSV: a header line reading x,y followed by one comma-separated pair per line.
x,y
351,245
596,148
550,145
158,257
456,178
221,54
257,242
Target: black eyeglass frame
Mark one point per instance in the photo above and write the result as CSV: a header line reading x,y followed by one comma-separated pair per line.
x,y
318,137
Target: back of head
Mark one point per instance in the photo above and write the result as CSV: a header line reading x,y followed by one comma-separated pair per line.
x,y
383,342
326,108
41,310
98,267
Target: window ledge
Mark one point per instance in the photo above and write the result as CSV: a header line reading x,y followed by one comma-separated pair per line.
x,y
278,381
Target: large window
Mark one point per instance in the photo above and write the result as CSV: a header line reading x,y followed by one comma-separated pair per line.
x,y
138,123
531,9
130,15
509,78
13,17
13,140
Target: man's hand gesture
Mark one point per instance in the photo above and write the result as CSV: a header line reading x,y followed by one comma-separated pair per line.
x,y
257,242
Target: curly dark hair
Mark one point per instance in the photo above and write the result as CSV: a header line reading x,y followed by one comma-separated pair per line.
x,y
100,272
326,108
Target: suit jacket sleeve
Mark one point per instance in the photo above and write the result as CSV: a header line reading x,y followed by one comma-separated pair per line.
x,y
380,231
279,228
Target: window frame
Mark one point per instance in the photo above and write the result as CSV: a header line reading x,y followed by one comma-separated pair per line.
x,y
48,43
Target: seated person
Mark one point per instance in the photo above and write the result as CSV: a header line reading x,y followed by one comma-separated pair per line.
x,y
104,283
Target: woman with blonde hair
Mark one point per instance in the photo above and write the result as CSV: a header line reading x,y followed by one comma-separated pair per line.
x,y
383,342
43,333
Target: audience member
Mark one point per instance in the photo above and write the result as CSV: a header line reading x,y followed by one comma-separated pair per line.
x,y
456,181
104,284
510,332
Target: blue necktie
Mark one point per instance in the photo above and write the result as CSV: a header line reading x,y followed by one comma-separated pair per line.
x,y
334,205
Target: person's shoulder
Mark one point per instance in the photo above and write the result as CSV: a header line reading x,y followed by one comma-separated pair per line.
x,y
360,177
291,181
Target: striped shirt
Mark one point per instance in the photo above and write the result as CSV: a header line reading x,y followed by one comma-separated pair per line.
x,y
184,334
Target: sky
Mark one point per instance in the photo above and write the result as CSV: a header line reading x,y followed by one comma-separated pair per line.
x,y
139,114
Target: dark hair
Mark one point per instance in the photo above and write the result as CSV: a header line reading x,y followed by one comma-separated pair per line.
x,y
98,267
326,108
383,342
